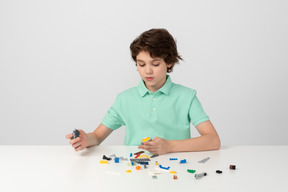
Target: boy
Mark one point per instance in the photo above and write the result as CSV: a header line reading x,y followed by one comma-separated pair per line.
x,y
156,108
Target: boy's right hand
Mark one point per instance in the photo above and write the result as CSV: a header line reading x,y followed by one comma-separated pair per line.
x,y
80,142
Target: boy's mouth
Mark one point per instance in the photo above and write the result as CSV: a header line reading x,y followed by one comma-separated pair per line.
x,y
149,78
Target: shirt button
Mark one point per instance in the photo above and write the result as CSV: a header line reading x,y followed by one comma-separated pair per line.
x,y
154,99
154,109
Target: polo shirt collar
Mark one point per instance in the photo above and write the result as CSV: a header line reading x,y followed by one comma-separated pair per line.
x,y
164,89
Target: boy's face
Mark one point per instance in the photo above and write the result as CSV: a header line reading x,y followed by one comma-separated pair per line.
x,y
152,70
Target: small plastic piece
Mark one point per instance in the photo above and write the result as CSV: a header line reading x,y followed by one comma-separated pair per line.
x,y
123,159
154,155
139,152
175,177
116,159
232,167
183,161
106,158
143,156
128,171
113,155
139,160
156,162
131,163
191,171
218,171
200,175
172,159
172,172
145,140
137,156
131,154
138,167
75,134
204,160
154,177
103,162
167,168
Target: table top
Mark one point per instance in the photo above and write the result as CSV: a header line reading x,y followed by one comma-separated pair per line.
x,y
60,168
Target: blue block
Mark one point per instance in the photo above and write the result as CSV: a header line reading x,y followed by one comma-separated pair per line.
x,y
116,160
183,161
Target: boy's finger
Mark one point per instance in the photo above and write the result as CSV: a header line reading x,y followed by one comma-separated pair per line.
x,y
69,136
148,143
72,141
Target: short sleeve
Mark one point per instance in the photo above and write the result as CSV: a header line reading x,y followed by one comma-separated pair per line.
x,y
197,114
112,118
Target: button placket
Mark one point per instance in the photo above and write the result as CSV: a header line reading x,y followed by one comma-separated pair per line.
x,y
153,102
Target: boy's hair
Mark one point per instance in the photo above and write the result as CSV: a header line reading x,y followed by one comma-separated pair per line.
x,y
159,43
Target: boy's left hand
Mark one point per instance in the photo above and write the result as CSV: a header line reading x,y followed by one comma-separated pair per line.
x,y
157,146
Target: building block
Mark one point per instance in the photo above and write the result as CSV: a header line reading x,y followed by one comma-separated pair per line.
x,y
183,161
103,162
191,171
143,156
123,159
204,160
106,158
172,159
145,140
116,159
139,160
218,171
138,167
140,152
232,167
154,156
113,155
154,177
75,134
200,175
166,168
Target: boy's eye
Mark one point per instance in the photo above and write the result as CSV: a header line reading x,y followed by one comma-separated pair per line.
x,y
155,64
141,65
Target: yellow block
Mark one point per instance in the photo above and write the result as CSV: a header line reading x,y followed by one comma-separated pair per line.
x,y
128,171
145,139
172,172
103,162
143,156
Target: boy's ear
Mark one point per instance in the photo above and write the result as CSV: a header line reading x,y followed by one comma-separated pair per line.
x,y
169,65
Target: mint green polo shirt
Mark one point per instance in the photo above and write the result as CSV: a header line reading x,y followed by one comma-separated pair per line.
x,y
167,113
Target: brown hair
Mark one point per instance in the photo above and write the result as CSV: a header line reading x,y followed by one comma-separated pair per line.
x,y
159,43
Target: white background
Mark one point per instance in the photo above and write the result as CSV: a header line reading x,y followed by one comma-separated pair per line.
x,y
62,63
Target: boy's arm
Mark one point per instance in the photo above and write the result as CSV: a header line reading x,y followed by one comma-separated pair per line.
x,y
209,140
89,139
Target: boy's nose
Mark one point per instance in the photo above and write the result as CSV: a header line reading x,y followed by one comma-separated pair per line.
x,y
148,70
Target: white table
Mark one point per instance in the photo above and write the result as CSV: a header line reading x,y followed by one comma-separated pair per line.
x,y
59,168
